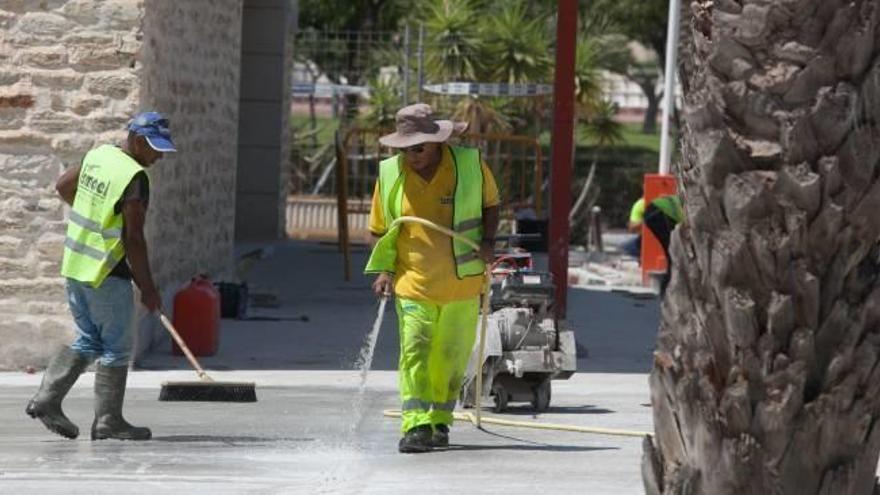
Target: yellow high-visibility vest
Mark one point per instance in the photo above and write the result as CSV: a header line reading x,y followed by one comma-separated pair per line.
x,y
467,212
93,246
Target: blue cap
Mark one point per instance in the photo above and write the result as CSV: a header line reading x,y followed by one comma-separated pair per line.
x,y
154,127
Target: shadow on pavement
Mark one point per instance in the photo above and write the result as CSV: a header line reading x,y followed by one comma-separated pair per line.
x,y
321,321
586,409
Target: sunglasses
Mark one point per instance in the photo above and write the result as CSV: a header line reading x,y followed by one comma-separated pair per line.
x,y
414,149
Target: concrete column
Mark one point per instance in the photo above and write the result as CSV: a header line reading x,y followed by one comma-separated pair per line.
x,y
263,118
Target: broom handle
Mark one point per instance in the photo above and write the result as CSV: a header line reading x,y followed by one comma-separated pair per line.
x,y
189,355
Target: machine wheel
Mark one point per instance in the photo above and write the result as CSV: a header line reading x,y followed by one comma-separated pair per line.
x,y
501,398
541,396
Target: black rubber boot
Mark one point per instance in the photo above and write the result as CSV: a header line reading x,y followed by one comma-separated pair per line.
x,y
440,439
109,395
416,440
62,372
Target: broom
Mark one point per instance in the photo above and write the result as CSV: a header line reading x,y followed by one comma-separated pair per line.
x,y
206,389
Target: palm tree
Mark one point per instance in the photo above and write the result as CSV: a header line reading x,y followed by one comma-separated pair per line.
x,y
766,377
518,45
384,100
456,51
605,132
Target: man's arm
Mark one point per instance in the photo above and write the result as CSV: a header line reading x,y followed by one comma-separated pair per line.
x,y
134,214
66,184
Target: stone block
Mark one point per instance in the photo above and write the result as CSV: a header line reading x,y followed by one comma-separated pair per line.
x,y
12,118
107,123
16,100
44,24
67,79
100,58
9,77
50,245
22,6
121,14
54,122
86,104
105,14
44,57
49,268
22,141
78,143
18,267
115,84
7,19
10,246
33,288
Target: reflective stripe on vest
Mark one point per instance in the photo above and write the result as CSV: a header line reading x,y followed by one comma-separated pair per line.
x,y
467,213
93,246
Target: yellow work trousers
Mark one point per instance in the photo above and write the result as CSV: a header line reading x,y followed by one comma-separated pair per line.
x,y
435,344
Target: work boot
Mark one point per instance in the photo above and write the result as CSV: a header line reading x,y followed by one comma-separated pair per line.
x,y
62,372
109,394
416,440
440,439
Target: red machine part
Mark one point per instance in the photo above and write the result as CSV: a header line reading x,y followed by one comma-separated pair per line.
x,y
653,257
197,317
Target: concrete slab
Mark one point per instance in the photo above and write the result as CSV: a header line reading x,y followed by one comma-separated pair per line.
x,y
303,436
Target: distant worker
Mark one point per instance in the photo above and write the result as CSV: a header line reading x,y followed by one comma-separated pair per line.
x,y
104,250
437,281
661,216
633,246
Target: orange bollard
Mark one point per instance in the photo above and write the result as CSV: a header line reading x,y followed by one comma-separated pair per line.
x,y
653,258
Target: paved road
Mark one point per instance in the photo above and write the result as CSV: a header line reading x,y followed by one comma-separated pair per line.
x,y
299,438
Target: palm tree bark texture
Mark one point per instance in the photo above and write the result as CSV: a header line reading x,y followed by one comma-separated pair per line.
x,y
766,377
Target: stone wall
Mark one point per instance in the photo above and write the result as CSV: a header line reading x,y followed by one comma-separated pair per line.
x,y
191,58
68,80
71,74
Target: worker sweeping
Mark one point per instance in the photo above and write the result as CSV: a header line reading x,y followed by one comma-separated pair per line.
x,y
436,280
104,251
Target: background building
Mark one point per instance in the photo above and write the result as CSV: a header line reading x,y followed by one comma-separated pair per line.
x,y
71,74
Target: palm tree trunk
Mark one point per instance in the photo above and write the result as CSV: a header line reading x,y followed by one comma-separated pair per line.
x,y
766,377
588,182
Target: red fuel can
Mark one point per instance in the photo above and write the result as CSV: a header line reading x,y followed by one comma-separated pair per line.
x,y
197,317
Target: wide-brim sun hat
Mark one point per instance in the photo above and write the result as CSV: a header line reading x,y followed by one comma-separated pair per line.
x,y
415,124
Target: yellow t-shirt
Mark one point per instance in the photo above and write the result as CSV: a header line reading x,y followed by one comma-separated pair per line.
x,y
425,268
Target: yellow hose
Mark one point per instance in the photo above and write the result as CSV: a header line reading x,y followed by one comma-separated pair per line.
x,y
477,418
466,416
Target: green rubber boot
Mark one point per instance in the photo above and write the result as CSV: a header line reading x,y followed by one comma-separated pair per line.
x,y
109,395
62,372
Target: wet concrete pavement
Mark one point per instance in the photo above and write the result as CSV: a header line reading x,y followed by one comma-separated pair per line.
x,y
299,438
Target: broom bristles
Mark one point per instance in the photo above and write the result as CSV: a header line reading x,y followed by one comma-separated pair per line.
x,y
208,392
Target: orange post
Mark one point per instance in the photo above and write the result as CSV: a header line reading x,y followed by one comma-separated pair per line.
x,y
653,258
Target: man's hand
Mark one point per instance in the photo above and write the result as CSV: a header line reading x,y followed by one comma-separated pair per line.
x,y
487,251
151,299
383,286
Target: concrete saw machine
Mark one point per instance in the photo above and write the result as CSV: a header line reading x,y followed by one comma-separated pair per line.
x,y
527,347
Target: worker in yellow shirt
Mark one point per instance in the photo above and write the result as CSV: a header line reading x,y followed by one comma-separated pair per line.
x,y
437,280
